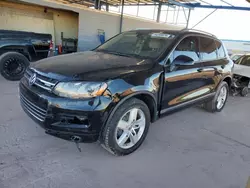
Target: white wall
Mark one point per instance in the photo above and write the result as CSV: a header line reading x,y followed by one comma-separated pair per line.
x,y
90,20
89,23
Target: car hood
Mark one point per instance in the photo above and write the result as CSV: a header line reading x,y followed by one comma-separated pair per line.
x,y
91,66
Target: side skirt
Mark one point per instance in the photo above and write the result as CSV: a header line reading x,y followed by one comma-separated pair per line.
x,y
188,103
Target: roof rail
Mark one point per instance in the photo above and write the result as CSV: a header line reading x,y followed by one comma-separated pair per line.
x,y
198,31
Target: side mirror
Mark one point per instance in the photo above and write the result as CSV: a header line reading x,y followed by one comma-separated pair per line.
x,y
183,60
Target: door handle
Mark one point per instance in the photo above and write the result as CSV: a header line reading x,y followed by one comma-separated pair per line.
x,y
216,70
207,69
200,69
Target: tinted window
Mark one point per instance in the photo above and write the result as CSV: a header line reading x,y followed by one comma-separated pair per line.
x,y
208,49
246,61
220,50
187,47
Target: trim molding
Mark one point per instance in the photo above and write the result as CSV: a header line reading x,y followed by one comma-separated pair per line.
x,y
182,105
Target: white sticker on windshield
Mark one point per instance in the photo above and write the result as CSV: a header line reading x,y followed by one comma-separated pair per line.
x,y
161,35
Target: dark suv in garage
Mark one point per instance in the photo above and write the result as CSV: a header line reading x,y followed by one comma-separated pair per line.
x,y
114,92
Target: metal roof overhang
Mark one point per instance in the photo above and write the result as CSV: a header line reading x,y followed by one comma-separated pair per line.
x,y
189,4
127,2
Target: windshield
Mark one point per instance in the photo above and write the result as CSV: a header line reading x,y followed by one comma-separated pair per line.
x,y
245,60
138,43
238,60
236,57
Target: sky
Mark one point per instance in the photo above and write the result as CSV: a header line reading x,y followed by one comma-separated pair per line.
x,y
225,24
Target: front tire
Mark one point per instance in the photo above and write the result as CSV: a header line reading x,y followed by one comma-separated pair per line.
x,y
219,100
125,131
13,65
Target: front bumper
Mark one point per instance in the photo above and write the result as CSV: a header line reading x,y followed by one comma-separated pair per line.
x,y
64,117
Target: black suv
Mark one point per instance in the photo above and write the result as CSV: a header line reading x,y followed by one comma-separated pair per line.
x,y
112,93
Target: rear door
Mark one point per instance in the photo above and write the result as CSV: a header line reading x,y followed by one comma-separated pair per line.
x,y
214,60
183,81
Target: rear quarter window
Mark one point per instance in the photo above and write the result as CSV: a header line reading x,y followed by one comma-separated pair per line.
x,y
220,49
208,49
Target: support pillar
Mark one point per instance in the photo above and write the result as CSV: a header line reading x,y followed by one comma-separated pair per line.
x,y
159,13
121,20
188,19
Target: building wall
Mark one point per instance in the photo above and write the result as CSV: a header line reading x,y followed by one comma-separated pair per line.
x,y
15,17
66,22
24,17
91,20
89,23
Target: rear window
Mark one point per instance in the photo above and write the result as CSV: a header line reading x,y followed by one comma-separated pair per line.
x,y
208,49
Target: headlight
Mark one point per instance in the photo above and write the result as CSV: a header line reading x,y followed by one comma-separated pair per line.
x,y
77,90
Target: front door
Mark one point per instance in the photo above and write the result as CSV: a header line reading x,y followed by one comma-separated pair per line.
x,y
184,78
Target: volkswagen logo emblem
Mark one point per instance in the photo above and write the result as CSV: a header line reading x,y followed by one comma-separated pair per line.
x,y
32,79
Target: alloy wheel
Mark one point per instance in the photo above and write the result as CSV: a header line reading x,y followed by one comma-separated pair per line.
x,y
222,97
130,128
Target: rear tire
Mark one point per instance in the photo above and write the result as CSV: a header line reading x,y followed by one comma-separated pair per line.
x,y
219,100
13,65
120,126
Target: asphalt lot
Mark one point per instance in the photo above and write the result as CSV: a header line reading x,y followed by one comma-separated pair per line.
x,y
188,149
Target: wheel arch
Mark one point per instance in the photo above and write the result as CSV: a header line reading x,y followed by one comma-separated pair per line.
x,y
22,49
228,79
151,103
147,97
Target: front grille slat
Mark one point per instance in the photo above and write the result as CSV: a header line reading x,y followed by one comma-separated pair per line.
x,y
41,81
33,113
34,107
34,110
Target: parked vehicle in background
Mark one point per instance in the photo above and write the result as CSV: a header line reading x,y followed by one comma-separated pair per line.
x,y
114,92
234,57
241,78
18,48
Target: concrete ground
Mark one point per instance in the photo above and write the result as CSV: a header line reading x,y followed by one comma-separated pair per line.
x,y
191,149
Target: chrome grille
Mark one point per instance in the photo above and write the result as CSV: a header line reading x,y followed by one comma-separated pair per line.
x,y
41,81
34,110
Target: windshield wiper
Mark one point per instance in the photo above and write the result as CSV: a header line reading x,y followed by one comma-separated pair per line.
x,y
121,54
115,53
